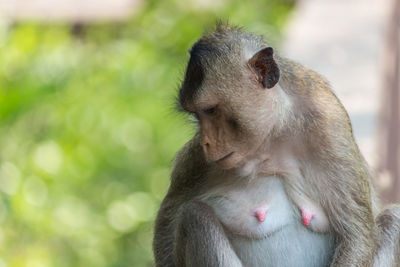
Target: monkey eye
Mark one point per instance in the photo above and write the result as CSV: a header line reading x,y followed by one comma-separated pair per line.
x,y
209,111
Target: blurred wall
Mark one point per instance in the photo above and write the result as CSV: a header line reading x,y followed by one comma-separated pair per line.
x,y
70,11
345,41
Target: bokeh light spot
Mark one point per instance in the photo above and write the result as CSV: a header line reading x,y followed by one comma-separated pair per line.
x,y
122,216
143,205
72,213
134,134
48,157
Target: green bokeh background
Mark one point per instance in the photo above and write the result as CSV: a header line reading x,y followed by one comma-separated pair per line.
x,y
88,131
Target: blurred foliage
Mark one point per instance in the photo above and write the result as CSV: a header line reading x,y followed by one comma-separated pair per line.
x,y
87,130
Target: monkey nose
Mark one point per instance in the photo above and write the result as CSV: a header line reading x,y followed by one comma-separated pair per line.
x,y
205,141
206,148
260,213
205,144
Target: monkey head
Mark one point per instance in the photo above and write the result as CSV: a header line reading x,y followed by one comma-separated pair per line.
x,y
231,88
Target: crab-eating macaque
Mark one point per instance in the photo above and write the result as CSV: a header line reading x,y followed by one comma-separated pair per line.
x,y
273,177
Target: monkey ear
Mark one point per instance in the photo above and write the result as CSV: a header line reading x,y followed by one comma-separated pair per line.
x,y
265,67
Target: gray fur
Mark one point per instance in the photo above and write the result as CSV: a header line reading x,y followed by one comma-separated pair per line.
x,y
388,223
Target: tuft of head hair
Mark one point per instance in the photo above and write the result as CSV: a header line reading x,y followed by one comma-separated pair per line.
x,y
216,50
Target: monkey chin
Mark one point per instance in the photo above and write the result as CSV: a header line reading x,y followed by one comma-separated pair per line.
x,y
230,162
239,165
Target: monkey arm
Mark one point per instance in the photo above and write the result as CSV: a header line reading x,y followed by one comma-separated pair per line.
x,y
163,234
388,223
182,176
187,232
351,217
191,237
200,239
337,178
337,175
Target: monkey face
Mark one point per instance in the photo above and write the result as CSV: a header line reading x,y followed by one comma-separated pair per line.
x,y
234,100
235,117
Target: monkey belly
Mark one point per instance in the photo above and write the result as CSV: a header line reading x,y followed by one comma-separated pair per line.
x,y
292,246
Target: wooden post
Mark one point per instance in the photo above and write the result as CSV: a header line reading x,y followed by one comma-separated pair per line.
x,y
389,124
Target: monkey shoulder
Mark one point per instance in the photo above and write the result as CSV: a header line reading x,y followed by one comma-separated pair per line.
x,y
312,87
322,113
190,167
293,71
188,170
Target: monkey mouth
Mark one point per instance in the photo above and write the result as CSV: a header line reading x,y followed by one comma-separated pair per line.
x,y
224,157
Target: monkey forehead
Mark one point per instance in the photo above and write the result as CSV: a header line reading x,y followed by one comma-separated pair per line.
x,y
209,88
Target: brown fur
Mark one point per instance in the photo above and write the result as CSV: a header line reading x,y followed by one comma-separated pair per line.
x,y
297,130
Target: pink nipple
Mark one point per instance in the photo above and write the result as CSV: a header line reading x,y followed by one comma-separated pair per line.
x,y
260,213
306,216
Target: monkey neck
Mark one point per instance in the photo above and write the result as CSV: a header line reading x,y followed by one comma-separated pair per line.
x,y
276,156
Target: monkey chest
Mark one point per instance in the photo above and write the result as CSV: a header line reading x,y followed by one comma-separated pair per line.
x,y
265,227
254,210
